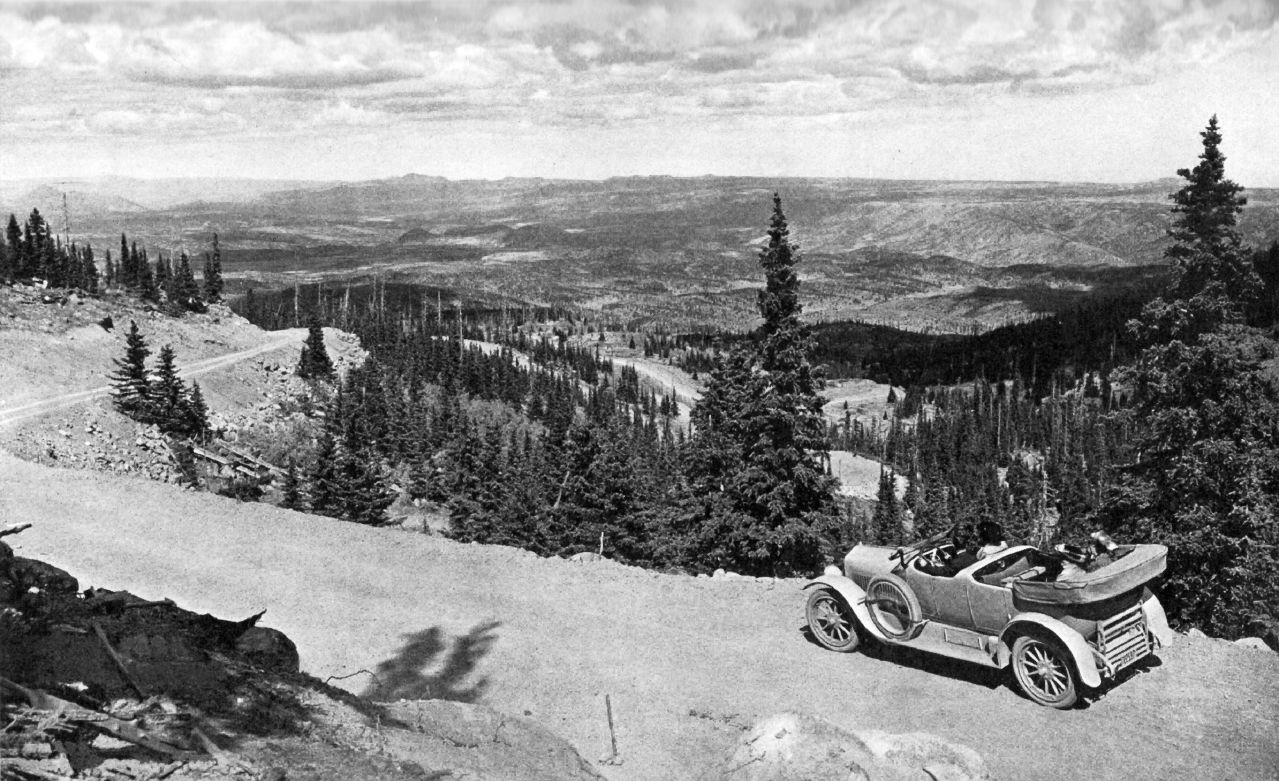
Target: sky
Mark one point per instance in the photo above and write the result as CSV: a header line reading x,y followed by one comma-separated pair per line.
x,y
1061,90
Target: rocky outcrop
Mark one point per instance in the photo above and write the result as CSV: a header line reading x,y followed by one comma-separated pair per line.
x,y
795,747
477,742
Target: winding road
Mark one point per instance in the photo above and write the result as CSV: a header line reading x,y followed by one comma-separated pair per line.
x,y
16,413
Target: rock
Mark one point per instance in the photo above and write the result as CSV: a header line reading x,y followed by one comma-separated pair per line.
x,y
30,573
413,523
586,556
938,757
1267,629
791,747
795,747
1195,633
269,649
478,742
719,573
1252,642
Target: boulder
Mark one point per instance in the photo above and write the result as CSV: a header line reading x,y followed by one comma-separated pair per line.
x,y
269,649
478,742
795,747
30,573
1267,629
1252,642
586,556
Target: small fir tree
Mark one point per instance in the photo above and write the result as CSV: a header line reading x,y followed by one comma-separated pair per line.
x,y
168,406
130,385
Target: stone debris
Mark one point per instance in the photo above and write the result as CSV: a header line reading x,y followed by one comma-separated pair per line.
x,y
104,684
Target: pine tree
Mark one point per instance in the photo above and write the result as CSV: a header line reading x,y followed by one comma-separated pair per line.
x,y
13,234
213,273
314,362
322,481
186,290
8,261
1213,279
196,414
146,279
1205,479
761,417
168,394
128,272
164,278
130,385
292,489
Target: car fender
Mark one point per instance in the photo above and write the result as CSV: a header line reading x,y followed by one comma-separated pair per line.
x,y
1072,641
1156,620
854,596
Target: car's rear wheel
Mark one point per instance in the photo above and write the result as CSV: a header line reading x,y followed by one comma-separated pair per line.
x,y
831,620
1044,672
894,608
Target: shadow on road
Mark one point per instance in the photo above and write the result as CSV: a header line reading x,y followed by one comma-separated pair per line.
x,y
430,666
967,672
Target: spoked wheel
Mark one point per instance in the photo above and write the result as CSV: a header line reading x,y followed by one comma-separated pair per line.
x,y
1044,672
894,607
831,620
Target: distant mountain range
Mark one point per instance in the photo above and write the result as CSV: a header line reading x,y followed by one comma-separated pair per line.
x,y
657,248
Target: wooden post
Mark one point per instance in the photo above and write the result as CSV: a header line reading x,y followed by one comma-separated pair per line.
x,y
612,736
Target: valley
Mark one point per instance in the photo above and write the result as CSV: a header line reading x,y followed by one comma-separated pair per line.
x,y
676,253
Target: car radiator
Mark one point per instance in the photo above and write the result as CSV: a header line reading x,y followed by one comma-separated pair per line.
x,y
1122,639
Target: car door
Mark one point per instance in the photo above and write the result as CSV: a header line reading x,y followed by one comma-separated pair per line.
x,y
990,606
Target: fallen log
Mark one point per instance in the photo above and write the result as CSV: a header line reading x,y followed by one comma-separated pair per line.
x,y
14,528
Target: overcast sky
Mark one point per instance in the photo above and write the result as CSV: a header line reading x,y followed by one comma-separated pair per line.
x,y
1071,90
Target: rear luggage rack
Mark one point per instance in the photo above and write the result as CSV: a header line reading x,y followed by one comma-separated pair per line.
x,y
1122,640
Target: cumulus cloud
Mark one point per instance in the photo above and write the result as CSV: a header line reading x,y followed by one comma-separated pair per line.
x,y
201,69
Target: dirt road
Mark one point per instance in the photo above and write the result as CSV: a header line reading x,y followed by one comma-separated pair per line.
x,y
17,412
688,663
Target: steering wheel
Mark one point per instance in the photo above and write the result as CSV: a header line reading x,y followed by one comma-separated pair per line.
x,y
937,557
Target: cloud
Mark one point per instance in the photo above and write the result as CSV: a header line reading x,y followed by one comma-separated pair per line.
x,y
281,70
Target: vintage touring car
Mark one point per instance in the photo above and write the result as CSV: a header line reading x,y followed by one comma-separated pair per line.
x,y
1061,634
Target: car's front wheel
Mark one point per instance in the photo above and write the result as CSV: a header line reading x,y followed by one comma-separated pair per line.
x,y
1044,672
831,620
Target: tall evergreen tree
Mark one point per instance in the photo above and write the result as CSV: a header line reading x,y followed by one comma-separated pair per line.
x,y
761,418
164,277
13,235
196,414
213,273
314,362
1205,480
168,393
130,385
128,272
292,488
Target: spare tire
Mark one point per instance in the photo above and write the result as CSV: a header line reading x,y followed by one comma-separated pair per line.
x,y
894,608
